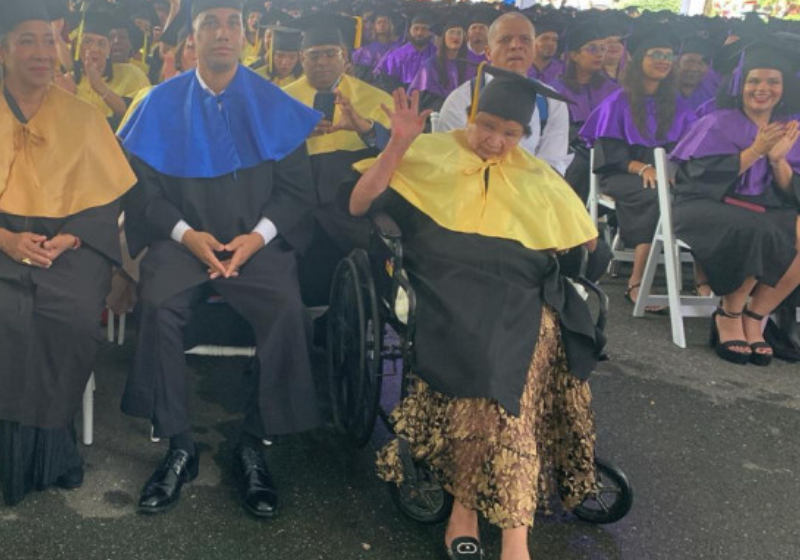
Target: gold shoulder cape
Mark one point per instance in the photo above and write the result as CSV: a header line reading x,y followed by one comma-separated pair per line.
x,y
525,200
63,161
366,100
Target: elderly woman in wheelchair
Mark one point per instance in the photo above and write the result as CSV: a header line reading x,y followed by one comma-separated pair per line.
x,y
497,344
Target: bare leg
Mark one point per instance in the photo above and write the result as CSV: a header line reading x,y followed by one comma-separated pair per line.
x,y
766,299
463,523
701,281
515,544
732,329
639,262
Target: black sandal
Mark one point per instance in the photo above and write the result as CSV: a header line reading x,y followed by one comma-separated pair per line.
x,y
654,309
465,548
761,359
725,349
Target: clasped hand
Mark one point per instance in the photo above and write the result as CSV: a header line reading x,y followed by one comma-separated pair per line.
x,y
34,249
775,140
206,248
349,118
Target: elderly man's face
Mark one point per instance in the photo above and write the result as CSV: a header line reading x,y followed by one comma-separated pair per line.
x,y
511,45
492,137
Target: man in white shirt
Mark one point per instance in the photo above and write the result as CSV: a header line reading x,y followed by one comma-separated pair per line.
x,y
511,47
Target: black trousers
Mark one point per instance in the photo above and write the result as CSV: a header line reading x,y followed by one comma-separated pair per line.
x,y
267,295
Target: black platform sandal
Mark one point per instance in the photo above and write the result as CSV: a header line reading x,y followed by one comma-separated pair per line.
x,y
761,359
724,349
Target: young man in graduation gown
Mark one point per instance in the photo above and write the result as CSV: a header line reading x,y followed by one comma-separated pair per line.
x,y
62,174
400,65
546,67
223,177
366,58
358,130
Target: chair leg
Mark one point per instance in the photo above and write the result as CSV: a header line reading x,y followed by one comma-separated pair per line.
x,y
672,264
110,325
88,412
121,336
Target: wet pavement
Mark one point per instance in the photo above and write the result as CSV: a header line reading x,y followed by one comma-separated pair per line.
x,y
712,450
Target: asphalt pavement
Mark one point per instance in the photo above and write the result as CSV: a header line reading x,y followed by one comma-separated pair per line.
x,y
712,450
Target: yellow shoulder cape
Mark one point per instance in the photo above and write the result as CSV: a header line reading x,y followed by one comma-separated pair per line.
x,y
366,100
63,161
525,200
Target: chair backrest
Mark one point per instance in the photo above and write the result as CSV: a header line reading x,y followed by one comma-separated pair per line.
x,y
592,201
434,120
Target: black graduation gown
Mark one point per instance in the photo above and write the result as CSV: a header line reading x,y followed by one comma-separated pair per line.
x,y
636,207
266,293
732,243
479,307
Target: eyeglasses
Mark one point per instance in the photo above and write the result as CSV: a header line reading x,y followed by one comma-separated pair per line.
x,y
595,49
661,55
329,54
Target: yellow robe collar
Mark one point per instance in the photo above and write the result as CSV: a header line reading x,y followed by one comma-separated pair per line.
x,y
366,100
525,200
63,161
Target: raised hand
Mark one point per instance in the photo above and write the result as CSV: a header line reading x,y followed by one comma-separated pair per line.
x,y
406,120
782,147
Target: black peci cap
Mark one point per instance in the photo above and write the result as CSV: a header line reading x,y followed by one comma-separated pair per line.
x,y
200,6
14,12
511,96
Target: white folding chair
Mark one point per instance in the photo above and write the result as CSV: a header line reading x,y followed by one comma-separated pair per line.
x,y
594,202
120,335
667,248
88,412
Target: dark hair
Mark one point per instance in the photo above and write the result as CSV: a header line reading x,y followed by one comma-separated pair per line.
x,y
570,76
665,98
786,106
441,61
297,71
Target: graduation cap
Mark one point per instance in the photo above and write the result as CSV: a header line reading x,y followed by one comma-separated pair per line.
x,y
698,45
14,12
286,39
579,35
200,6
656,36
777,51
254,6
509,95
550,23
101,22
330,29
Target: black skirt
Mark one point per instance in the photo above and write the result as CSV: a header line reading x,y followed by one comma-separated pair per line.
x,y
732,243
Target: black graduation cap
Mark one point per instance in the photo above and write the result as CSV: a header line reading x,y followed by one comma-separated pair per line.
x,y
254,6
776,51
101,22
57,9
615,24
550,23
286,39
330,29
579,35
652,37
511,96
698,45
481,13
200,6
14,12
424,17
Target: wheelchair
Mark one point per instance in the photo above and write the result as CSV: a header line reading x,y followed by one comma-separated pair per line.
x,y
371,323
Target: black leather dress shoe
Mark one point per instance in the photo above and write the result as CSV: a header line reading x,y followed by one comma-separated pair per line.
x,y
71,479
163,490
258,493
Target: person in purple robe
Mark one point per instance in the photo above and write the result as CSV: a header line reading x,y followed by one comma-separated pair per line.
x,y
615,29
365,60
585,86
546,67
697,83
399,66
625,129
444,72
737,192
478,33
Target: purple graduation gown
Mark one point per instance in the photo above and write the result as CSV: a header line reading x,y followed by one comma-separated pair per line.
x,y
586,99
549,74
404,62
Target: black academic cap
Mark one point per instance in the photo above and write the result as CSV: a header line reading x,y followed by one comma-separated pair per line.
x,y
286,39
200,6
511,96
101,22
652,37
14,12
139,9
550,23
698,45
778,51
254,6
423,16
57,9
579,35
330,29
480,13
615,24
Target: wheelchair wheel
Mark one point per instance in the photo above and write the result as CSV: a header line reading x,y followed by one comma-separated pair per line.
x,y
613,499
422,499
354,349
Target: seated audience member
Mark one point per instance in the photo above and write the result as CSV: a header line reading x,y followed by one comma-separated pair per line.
x,y
357,130
253,50
697,83
481,402
737,195
61,179
511,38
95,78
546,67
365,59
282,59
585,86
478,22
443,73
224,177
624,131
399,66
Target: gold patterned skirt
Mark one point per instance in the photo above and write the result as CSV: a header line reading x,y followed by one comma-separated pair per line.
x,y
495,463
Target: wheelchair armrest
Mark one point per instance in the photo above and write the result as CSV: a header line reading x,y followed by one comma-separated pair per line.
x,y
385,226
